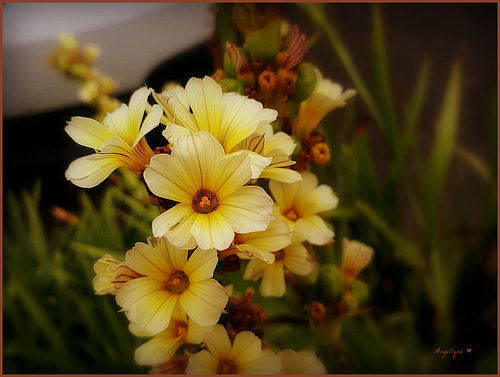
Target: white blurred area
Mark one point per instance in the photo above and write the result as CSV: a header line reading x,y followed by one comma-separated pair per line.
x,y
134,38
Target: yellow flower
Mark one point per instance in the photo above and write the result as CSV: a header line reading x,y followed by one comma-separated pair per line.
x,y
213,201
294,258
326,96
301,203
355,257
170,279
229,117
300,362
162,347
277,146
118,141
244,356
261,245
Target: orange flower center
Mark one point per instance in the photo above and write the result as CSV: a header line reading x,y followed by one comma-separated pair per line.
x,y
292,215
182,328
226,367
204,201
177,282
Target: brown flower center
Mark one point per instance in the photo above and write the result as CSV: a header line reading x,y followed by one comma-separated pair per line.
x,y
226,367
178,282
279,255
204,201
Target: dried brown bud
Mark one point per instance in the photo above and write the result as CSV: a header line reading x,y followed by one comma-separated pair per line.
x,y
317,310
232,263
302,161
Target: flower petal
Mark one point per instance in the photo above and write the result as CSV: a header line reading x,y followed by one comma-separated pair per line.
x,y
231,173
297,260
175,225
205,99
201,265
173,131
88,132
320,199
211,230
204,301
218,343
202,363
137,106
273,280
198,154
166,178
284,194
267,363
157,350
249,209
284,175
152,120
276,237
246,347
255,269
91,170
318,233
149,304
118,124
148,261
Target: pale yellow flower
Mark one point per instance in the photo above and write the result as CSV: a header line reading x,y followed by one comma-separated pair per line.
x,y
300,362
355,257
301,203
229,117
209,186
326,96
170,278
294,258
118,141
162,347
244,356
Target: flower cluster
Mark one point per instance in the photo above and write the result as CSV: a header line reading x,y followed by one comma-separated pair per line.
x,y
231,197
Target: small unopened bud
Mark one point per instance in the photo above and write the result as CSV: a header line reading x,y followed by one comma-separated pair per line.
x,y
317,310
305,83
232,85
267,82
331,280
105,269
320,153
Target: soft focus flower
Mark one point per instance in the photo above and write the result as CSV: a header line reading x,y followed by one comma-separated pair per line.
x,y
104,280
162,347
213,202
355,257
244,356
261,245
170,279
301,203
300,362
294,258
229,117
326,96
118,141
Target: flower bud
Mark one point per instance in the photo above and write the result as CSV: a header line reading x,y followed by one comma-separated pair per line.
x,y
305,83
105,269
320,153
232,85
331,280
355,257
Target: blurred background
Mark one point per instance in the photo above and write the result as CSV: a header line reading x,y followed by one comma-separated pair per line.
x,y
52,321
